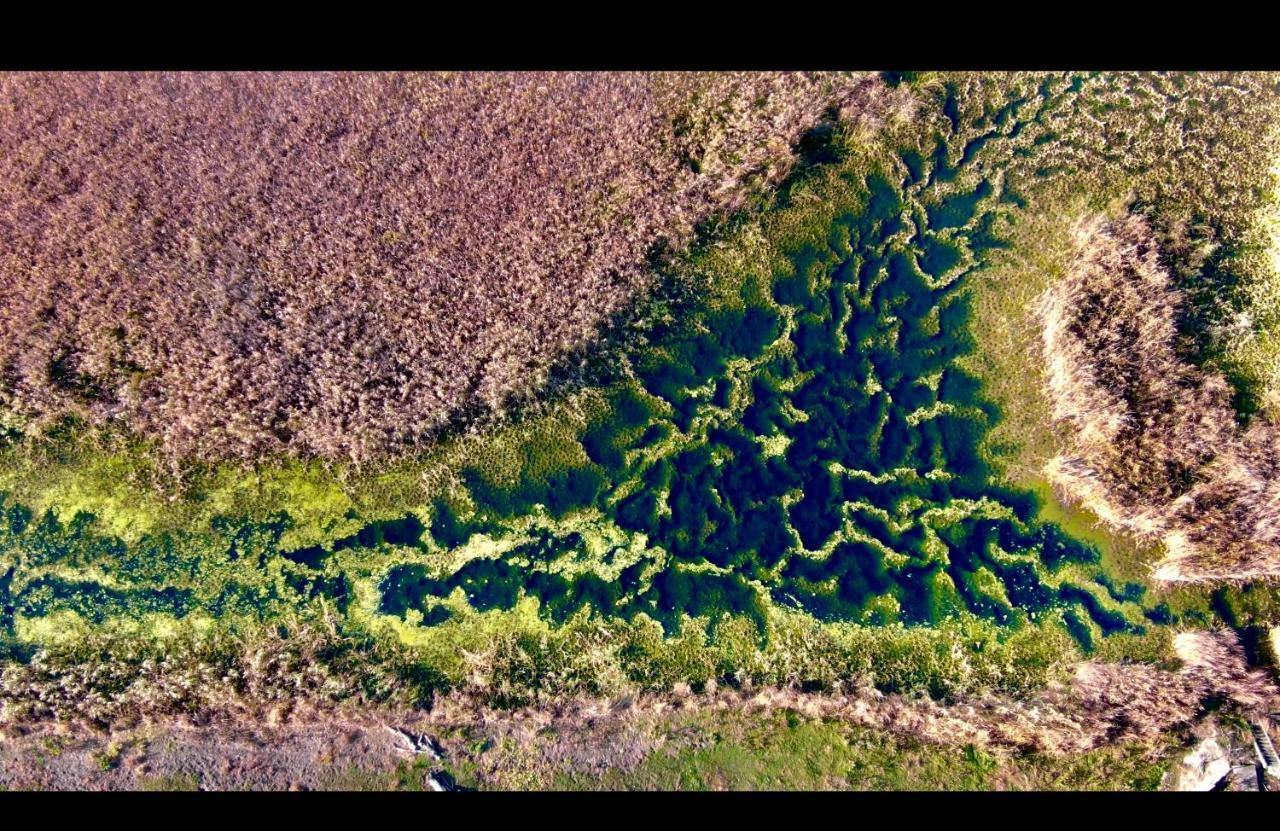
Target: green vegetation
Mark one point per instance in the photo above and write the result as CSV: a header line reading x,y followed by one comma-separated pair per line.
x,y
514,659
109,758
786,751
173,782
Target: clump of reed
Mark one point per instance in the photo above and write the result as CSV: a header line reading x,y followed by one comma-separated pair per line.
x,y
1151,441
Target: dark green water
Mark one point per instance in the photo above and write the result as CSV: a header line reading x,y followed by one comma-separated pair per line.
x,y
875,338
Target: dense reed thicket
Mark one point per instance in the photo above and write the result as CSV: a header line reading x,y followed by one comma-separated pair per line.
x,y
340,264
1153,442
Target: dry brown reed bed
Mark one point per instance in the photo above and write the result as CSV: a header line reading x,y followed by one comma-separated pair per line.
x,y
338,264
1152,443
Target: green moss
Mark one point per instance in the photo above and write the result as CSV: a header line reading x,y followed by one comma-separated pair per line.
x,y
784,751
1152,647
170,782
109,758
1251,605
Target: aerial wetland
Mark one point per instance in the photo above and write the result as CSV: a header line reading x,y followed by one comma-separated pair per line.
x,y
821,453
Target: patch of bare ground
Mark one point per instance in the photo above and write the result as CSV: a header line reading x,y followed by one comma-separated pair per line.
x,y
1152,444
334,747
